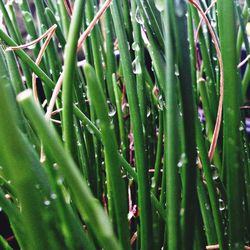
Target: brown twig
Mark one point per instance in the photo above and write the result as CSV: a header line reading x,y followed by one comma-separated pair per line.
x,y
39,58
80,42
93,23
220,106
68,6
214,247
27,45
48,34
243,62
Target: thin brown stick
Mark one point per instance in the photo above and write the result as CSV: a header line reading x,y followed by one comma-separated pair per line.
x,y
245,107
54,97
56,111
93,23
56,121
69,7
27,45
49,33
39,58
80,42
220,106
199,26
202,19
214,247
133,239
243,62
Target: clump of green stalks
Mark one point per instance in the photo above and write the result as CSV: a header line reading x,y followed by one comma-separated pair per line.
x,y
123,162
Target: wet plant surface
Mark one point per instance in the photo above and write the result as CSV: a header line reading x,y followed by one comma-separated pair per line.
x,y
124,124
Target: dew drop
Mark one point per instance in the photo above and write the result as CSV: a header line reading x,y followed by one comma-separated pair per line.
x,y
207,206
213,23
90,129
46,202
112,109
159,4
242,127
179,8
182,161
214,173
135,46
221,205
138,16
59,181
53,196
182,211
136,66
97,122
148,112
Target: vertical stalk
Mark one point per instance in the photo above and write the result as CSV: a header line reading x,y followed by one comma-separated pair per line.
x,y
70,62
231,144
143,182
139,64
189,196
116,186
171,138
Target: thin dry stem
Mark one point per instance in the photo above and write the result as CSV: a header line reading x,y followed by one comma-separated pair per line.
x,y
27,45
54,97
202,19
213,247
56,121
93,23
80,42
133,239
49,33
243,62
69,7
220,107
39,58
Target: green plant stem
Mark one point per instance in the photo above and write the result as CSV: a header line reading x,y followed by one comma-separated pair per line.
x,y
122,160
50,52
143,182
207,62
189,195
115,183
158,160
139,62
123,137
171,135
242,33
90,209
95,43
4,244
154,24
23,170
110,57
205,209
70,65
231,143
65,19
15,36
210,186
59,32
